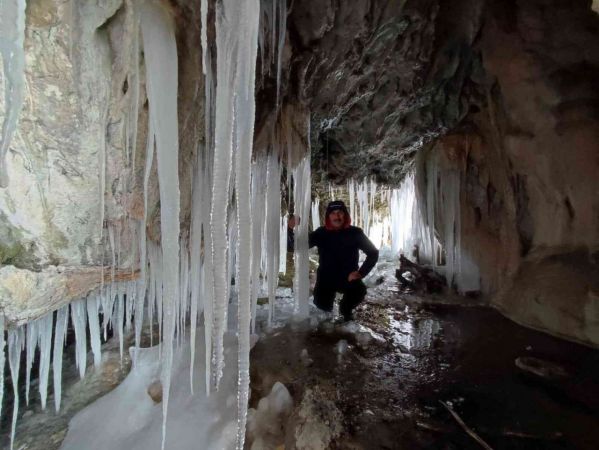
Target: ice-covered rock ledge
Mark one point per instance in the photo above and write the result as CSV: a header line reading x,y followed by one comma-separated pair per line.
x,y
26,295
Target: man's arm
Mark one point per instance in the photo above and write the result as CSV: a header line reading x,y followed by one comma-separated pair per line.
x,y
372,254
312,239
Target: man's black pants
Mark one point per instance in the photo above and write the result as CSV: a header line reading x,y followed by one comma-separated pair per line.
x,y
353,294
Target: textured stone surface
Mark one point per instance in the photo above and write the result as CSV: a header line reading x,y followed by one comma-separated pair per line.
x,y
80,87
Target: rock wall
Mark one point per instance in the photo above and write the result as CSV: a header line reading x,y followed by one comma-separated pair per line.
x,y
529,157
76,164
506,91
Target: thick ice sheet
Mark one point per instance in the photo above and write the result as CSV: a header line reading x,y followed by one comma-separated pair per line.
x,y
128,419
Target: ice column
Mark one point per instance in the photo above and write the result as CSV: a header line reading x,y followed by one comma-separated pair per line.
x,y
245,113
283,245
160,50
227,21
315,214
258,210
12,35
2,361
197,207
301,194
79,318
15,346
273,214
60,331
45,339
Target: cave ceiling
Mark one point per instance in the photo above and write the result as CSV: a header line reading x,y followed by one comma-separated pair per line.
x,y
380,79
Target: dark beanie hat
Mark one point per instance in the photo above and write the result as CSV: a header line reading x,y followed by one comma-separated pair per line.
x,y
336,205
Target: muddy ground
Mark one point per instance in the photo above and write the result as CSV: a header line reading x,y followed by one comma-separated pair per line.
x,y
436,349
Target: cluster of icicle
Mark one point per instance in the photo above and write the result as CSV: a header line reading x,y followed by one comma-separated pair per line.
x,y
12,35
425,216
361,202
236,229
112,307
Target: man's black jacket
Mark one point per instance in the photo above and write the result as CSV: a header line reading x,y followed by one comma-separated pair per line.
x,y
338,252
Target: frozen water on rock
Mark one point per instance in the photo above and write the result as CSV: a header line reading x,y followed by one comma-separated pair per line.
x,y
160,51
79,318
60,331
301,195
266,422
2,361
45,343
12,35
15,346
30,345
134,420
94,328
273,214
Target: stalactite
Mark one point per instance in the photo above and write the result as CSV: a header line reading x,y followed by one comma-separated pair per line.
x,y
301,195
160,51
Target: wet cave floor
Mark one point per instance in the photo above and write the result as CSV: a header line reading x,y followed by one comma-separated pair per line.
x,y
437,350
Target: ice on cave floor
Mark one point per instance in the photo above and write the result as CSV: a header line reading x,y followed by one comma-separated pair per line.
x,y
266,423
134,420
361,334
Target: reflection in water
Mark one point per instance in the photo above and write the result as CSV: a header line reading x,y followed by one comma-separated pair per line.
x,y
415,333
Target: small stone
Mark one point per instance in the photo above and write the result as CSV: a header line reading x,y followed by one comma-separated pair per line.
x,y
155,391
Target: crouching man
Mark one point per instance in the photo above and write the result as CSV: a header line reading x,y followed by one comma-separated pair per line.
x,y
338,245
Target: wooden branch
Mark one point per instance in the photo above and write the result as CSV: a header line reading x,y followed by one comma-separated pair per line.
x,y
465,427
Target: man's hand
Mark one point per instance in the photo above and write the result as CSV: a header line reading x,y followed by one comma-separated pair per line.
x,y
355,275
293,222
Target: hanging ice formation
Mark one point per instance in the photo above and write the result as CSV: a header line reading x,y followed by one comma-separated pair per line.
x,y
186,275
12,35
441,207
160,51
315,213
273,211
301,195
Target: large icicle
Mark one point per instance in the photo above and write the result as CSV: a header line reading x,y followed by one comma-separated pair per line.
x,y
2,361
94,328
315,213
301,195
258,209
283,245
45,339
245,112
79,318
60,331
15,346
273,215
227,21
160,51
12,35
31,341
197,207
